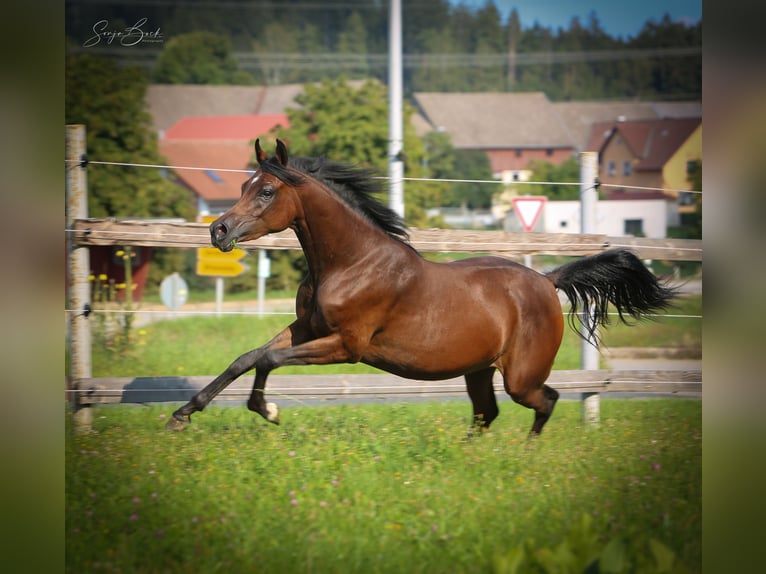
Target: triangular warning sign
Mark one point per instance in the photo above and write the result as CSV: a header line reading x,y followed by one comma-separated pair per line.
x,y
528,209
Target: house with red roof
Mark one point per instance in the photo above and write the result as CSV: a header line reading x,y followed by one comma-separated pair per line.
x,y
513,129
658,154
230,128
211,155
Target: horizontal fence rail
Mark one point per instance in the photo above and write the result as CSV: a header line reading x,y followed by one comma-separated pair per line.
x,y
139,390
91,232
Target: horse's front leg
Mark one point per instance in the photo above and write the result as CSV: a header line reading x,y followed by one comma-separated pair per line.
x,y
299,332
321,351
182,417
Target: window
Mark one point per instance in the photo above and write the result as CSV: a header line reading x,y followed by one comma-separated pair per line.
x,y
634,227
685,198
549,152
627,167
518,153
611,168
213,175
692,166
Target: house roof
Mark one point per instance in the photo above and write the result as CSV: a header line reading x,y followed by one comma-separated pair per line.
x,y
653,142
678,109
211,183
216,143
578,117
239,127
168,103
495,120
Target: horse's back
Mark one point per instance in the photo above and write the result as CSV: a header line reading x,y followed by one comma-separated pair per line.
x,y
529,305
464,315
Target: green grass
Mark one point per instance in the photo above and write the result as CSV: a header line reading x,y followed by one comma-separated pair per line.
x,y
206,345
386,488
662,332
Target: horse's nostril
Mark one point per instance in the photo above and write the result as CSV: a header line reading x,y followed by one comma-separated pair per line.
x,y
219,230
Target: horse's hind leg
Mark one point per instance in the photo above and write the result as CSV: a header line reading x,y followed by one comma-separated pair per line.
x,y
541,399
482,394
528,390
549,398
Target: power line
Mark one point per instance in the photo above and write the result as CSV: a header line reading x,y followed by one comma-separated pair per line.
x,y
420,179
411,61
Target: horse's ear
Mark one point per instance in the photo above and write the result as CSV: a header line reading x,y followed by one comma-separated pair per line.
x,y
281,152
260,155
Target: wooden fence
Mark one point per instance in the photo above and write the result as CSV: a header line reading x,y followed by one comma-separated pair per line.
x,y
89,232
332,387
86,392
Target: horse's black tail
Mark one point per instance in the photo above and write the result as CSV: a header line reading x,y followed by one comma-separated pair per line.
x,y
617,277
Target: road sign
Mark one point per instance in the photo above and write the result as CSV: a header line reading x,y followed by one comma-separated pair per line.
x,y
528,209
220,267
174,291
215,254
213,261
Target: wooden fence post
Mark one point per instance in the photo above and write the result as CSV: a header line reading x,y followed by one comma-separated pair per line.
x,y
78,270
589,355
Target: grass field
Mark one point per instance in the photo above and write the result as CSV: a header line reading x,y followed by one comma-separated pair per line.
x,y
387,488
206,345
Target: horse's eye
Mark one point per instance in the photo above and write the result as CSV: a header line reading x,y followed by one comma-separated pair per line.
x,y
267,193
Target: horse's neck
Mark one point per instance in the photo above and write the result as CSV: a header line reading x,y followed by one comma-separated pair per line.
x,y
332,234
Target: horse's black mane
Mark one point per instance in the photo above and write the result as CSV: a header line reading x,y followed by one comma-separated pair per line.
x,y
355,185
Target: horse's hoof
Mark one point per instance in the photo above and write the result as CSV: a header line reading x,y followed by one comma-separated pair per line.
x,y
177,425
272,413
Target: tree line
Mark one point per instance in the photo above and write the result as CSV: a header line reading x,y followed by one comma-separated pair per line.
x,y
446,48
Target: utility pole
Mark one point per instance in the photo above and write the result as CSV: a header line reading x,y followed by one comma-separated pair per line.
x,y
589,355
395,139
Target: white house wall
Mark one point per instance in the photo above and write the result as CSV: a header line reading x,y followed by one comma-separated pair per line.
x,y
564,217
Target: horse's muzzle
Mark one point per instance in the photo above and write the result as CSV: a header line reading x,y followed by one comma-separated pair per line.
x,y
218,236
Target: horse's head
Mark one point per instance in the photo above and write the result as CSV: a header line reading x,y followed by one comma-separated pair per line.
x,y
267,205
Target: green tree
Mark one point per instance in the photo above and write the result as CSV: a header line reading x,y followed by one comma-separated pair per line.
x,y
513,30
488,39
310,41
539,77
352,42
569,171
435,75
109,101
198,58
276,42
681,76
445,162
350,124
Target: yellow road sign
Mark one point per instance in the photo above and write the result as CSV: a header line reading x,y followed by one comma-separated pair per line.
x,y
220,267
213,261
215,254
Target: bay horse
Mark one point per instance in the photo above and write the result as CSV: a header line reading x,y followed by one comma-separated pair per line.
x,y
369,296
